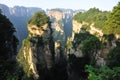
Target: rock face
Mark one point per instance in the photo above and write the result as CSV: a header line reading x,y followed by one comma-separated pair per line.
x,y
61,23
76,28
38,51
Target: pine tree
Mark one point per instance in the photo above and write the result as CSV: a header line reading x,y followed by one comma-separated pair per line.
x,y
113,23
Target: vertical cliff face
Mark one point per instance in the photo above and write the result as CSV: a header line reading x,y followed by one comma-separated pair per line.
x,y
76,28
56,17
61,23
37,53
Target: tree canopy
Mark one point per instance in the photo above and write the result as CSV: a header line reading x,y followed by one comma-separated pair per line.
x,y
91,45
93,15
39,19
112,25
114,57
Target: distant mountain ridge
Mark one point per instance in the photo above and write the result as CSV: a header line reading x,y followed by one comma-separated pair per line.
x,y
21,10
19,16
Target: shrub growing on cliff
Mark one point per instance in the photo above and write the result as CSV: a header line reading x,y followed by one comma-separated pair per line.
x,y
90,48
39,19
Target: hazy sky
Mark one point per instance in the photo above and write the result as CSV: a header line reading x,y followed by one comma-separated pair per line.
x,y
73,4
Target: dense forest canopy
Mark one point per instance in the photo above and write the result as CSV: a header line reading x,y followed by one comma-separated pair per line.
x,y
108,22
93,15
112,25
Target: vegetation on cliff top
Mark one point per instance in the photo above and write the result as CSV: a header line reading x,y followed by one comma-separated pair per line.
x,y
93,15
108,22
112,25
39,19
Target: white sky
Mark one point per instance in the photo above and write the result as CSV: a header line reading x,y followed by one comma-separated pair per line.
x,y
72,4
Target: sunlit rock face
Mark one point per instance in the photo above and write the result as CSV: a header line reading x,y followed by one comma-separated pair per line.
x,y
92,29
39,31
55,14
76,28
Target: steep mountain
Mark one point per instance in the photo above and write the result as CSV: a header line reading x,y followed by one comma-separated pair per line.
x,y
61,23
39,56
19,16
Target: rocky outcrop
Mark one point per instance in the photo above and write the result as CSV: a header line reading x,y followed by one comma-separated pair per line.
x,y
94,30
37,51
76,28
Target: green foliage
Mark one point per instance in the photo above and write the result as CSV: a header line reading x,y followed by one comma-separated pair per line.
x,y
39,19
68,44
93,15
103,73
88,44
23,62
114,57
79,38
90,47
112,25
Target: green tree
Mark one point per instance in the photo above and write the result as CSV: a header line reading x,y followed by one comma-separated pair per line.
x,y
93,15
114,57
90,47
112,25
80,37
103,73
39,19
